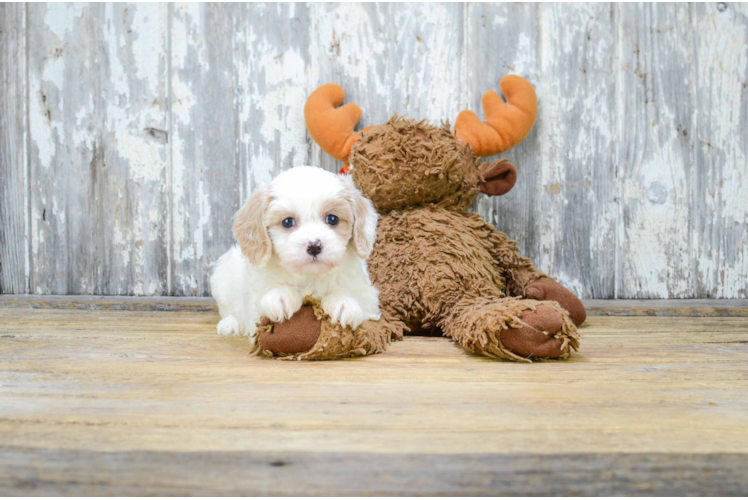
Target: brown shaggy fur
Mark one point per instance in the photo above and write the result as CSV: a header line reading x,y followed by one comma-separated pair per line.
x,y
427,259
404,163
437,266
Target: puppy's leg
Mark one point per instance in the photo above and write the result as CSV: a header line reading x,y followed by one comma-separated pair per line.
x,y
280,303
228,326
228,287
344,310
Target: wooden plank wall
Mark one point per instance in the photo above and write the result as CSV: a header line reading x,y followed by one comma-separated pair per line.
x,y
130,133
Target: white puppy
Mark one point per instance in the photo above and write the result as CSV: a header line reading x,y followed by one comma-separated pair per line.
x,y
306,233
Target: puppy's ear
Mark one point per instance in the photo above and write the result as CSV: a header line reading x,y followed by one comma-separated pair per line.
x,y
364,219
250,230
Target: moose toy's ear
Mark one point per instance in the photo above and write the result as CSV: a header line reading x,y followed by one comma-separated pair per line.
x,y
498,178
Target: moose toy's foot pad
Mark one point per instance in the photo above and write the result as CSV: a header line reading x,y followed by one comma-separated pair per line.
x,y
293,336
512,328
309,335
533,339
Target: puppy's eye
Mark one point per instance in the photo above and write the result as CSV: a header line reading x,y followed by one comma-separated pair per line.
x,y
288,222
332,220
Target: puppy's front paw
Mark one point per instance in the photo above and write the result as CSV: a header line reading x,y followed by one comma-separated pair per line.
x,y
343,310
228,326
280,303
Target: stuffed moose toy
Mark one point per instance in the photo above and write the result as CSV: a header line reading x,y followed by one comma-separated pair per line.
x,y
438,267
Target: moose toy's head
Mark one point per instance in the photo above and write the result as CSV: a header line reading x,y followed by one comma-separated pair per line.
x,y
405,163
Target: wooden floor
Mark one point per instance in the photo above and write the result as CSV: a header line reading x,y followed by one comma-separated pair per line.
x,y
146,402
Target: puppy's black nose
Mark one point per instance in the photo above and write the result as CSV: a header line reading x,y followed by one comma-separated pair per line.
x,y
314,248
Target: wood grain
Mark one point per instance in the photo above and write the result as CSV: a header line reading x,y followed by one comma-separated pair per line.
x,y
721,175
64,147
576,228
239,79
131,133
667,307
655,150
14,183
649,404
137,473
205,175
130,166
98,96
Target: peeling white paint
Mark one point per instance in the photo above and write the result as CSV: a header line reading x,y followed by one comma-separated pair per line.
x,y
46,128
144,157
150,33
348,36
196,250
654,156
574,157
722,54
121,241
25,287
412,59
60,18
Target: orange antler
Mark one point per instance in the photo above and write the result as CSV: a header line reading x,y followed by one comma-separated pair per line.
x,y
507,123
332,127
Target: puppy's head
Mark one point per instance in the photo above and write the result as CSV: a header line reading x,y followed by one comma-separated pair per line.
x,y
308,219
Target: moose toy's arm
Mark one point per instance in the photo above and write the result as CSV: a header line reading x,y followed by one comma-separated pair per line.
x,y
550,289
523,280
519,271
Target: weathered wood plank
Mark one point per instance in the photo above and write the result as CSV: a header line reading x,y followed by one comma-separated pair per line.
x,y
392,58
33,472
167,382
63,84
578,209
503,39
276,79
14,184
655,106
130,163
98,148
239,80
206,178
721,175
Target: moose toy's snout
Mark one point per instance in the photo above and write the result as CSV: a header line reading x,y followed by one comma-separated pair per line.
x,y
499,178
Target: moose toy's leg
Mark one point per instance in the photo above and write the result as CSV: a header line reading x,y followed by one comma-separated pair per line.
x,y
295,335
548,289
309,335
512,328
523,280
